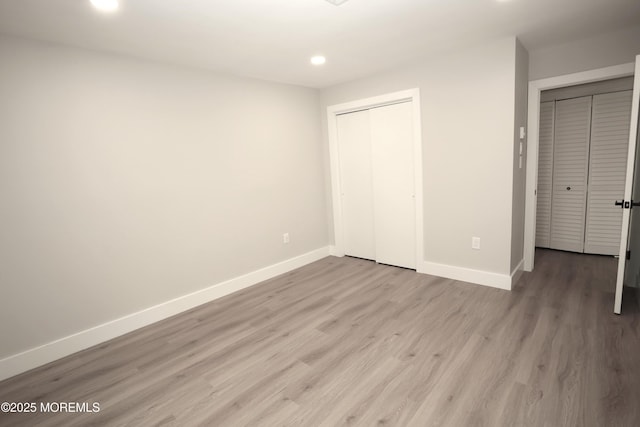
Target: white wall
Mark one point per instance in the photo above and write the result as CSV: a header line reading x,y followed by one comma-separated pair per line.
x,y
126,183
519,173
468,140
618,47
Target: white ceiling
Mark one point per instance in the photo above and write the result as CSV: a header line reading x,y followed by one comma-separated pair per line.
x,y
274,39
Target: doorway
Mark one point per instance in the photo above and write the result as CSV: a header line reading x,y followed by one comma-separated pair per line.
x,y
535,90
582,160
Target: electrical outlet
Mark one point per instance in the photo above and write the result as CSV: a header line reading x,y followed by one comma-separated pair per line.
x,y
475,243
285,238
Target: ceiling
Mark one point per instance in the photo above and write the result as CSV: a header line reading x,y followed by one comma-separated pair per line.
x,y
274,39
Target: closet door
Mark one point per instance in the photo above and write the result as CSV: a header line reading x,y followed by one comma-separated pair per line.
x,y
607,171
356,184
545,174
393,184
570,168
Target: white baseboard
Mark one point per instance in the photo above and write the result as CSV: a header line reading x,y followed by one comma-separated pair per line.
x,y
517,272
479,277
22,362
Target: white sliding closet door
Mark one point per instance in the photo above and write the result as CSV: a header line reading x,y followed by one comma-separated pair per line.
x,y
356,187
570,168
376,161
545,174
607,171
393,184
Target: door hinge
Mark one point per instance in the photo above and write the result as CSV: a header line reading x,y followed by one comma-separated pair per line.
x,y
628,255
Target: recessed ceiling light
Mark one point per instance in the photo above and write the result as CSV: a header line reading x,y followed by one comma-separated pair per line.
x,y
337,2
105,5
318,60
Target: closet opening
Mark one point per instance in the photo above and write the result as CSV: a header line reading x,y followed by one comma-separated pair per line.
x,y
583,174
582,160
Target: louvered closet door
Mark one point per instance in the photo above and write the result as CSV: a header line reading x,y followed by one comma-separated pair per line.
x,y
356,186
570,168
607,171
545,174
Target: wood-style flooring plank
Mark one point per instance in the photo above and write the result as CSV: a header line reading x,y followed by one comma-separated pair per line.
x,y
348,342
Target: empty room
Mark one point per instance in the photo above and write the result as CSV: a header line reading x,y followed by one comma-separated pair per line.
x,y
319,213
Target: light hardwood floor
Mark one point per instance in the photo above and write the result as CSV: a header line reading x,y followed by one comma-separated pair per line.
x,y
344,341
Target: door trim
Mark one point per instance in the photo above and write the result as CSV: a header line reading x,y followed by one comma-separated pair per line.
x,y
412,95
535,87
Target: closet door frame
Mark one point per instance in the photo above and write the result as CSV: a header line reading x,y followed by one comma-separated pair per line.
x,y
533,116
410,95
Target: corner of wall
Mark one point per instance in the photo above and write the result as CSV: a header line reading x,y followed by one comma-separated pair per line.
x,y
521,79
517,273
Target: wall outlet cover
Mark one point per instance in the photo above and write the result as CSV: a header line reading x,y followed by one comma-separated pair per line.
x,y
475,243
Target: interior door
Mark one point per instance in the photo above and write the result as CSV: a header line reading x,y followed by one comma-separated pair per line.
x,y
570,168
393,184
610,120
632,189
356,184
632,269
